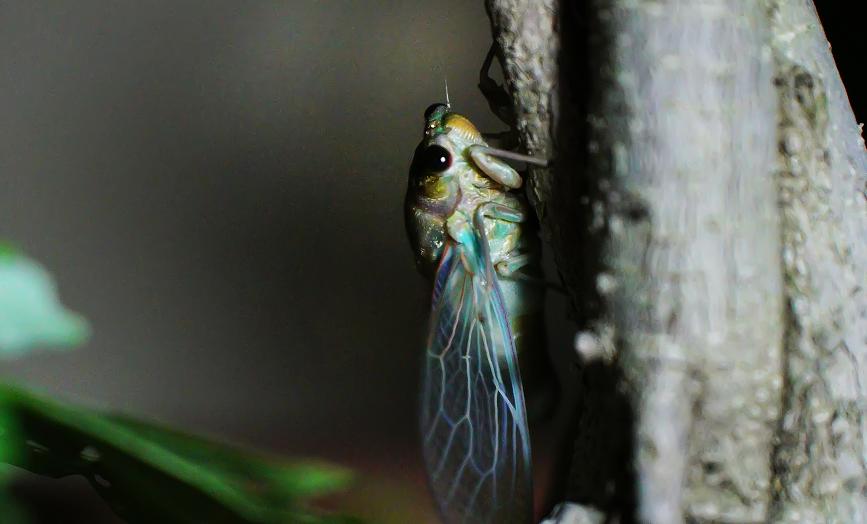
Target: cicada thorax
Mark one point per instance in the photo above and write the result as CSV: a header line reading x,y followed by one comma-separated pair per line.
x,y
446,188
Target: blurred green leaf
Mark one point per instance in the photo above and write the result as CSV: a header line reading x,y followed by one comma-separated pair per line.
x,y
31,315
153,474
146,472
10,510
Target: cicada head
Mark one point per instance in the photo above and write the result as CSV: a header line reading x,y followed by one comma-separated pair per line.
x,y
433,191
440,121
446,138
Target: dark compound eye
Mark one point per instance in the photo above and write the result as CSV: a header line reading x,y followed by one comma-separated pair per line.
x,y
435,159
431,109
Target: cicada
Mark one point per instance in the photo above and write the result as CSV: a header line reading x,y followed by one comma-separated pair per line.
x,y
474,235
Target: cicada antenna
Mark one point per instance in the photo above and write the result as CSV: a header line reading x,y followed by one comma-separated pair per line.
x,y
448,103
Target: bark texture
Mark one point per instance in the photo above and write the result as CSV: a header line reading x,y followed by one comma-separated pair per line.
x,y
820,469
708,215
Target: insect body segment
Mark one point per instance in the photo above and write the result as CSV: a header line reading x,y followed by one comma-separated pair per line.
x,y
473,237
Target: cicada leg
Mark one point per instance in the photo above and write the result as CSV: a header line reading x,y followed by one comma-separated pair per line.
x,y
507,268
511,155
497,211
496,95
490,161
501,105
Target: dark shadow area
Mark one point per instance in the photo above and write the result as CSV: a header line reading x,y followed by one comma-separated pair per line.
x,y
601,470
845,32
602,475
61,501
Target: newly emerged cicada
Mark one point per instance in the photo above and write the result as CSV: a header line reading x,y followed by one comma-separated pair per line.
x,y
475,237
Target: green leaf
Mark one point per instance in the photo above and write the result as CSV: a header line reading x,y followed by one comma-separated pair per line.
x,y
150,473
31,315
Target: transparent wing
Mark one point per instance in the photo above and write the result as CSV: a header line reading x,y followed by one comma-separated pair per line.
x,y
474,426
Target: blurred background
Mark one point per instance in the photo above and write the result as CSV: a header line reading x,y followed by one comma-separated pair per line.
x,y
218,187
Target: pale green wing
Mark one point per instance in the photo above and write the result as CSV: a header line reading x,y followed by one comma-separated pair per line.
x,y
473,421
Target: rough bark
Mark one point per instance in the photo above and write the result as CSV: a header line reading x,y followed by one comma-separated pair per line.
x,y
820,469
708,215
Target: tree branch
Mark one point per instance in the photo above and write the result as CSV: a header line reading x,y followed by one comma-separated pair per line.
x,y
707,212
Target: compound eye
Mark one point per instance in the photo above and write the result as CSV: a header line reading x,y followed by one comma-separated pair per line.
x,y
431,108
435,159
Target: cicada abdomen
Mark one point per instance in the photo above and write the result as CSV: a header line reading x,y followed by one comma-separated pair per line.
x,y
476,238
